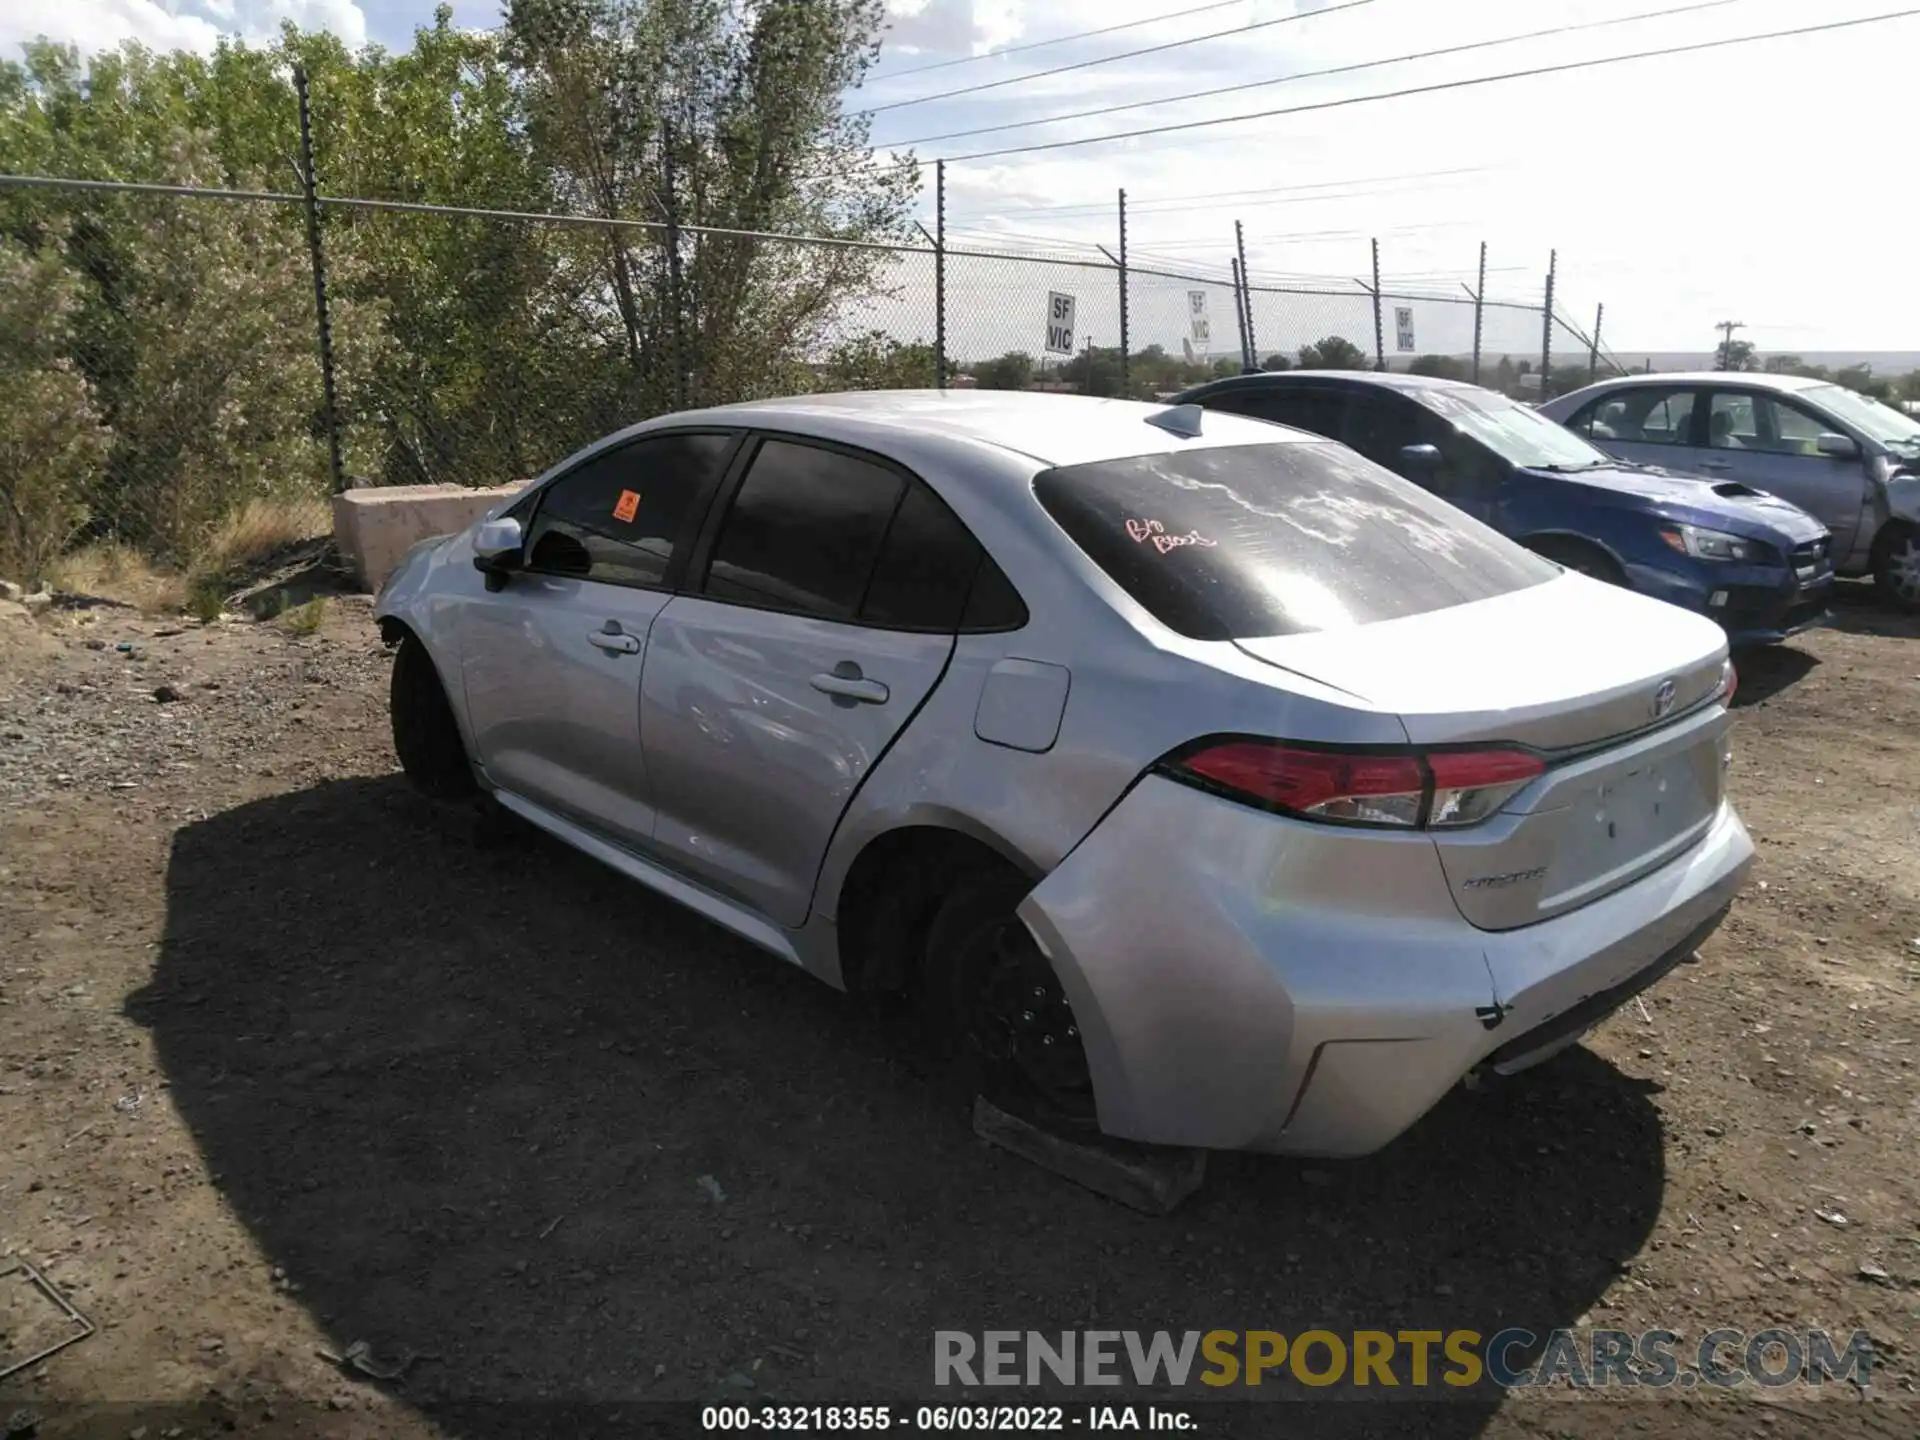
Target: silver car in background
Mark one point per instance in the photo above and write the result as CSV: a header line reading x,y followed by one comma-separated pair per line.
x,y
1205,781
1847,460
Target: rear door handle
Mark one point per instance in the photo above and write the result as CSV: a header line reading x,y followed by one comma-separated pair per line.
x,y
851,687
614,642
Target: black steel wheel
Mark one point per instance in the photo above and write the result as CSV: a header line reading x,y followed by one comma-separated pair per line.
x,y
998,1000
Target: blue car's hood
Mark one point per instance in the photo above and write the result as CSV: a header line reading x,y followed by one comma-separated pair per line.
x,y
1716,504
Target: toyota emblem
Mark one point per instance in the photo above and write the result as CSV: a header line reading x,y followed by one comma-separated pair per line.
x,y
1663,698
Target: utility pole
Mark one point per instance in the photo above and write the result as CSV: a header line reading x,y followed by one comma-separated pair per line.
x,y
1724,360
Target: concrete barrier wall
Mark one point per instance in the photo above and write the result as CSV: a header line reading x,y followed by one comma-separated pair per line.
x,y
373,528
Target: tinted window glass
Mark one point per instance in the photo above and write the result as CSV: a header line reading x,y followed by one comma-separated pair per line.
x,y
1253,540
1315,411
993,604
926,567
804,531
619,516
1380,426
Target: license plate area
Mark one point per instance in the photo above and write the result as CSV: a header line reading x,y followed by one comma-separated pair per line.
x,y
1630,818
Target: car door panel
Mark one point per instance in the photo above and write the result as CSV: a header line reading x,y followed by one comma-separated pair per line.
x,y
830,588
1776,454
552,660
556,716
759,727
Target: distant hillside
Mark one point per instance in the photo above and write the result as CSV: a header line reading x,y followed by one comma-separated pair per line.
x,y
1884,362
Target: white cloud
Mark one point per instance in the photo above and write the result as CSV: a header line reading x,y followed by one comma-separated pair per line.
x,y
94,25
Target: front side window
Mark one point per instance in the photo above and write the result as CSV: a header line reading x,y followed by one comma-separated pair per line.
x,y
1381,426
620,517
1234,542
1744,420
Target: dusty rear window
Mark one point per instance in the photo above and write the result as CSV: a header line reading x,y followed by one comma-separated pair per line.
x,y
1249,540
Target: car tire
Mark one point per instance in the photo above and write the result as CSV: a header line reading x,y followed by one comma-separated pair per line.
x,y
425,736
1896,566
1580,557
993,1000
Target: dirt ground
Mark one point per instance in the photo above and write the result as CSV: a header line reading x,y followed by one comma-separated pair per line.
x,y
289,1061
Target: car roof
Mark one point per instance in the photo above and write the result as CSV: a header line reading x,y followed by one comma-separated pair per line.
x,y
1047,428
1379,379
1753,379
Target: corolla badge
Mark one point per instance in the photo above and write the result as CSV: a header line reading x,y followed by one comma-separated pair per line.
x,y
1663,697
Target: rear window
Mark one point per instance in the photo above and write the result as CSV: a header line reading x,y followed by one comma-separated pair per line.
x,y
1249,540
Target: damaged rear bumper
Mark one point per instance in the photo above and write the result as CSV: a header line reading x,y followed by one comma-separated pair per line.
x,y
1245,981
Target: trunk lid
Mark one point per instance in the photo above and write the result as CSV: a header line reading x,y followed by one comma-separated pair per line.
x,y
1614,688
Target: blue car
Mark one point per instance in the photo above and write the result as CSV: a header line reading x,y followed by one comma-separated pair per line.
x,y
1754,563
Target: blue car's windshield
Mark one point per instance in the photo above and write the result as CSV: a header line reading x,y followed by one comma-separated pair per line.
x,y
1516,434
1869,416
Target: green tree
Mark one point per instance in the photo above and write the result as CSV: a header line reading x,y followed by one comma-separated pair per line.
x,y
1277,362
1093,370
1443,367
1336,352
52,444
719,113
875,361
1862,379
1731,354
1011,371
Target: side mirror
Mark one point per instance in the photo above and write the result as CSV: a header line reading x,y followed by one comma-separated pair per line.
x,y
496,549
1837,447
1421,457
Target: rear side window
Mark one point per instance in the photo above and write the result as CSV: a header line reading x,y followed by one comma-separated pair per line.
x,y
804,531
1249,540
826,534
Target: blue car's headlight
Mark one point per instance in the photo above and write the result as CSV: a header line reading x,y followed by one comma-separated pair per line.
x,y
1708,544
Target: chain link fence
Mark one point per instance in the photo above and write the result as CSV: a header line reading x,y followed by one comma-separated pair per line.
x,y
163,356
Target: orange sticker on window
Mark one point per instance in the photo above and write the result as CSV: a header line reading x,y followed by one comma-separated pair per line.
x,y
627,506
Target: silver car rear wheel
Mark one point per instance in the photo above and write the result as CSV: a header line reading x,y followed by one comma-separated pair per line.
x,y
999,1000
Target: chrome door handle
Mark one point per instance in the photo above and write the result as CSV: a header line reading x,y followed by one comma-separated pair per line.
x,y
614,642
851,687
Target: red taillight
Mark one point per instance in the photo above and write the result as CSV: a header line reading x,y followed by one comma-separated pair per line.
x,y
1329,784
1441,788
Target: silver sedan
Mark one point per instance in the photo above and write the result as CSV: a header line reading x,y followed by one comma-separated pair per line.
x,y
1207,783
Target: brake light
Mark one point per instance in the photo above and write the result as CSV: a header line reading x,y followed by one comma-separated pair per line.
x,y
1437,789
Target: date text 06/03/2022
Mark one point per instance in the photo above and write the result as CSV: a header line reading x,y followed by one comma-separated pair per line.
x,y
936,1419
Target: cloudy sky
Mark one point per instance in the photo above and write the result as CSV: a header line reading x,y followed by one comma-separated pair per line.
x,y
1764,182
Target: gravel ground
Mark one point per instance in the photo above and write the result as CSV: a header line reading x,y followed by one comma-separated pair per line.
x,y
290,1060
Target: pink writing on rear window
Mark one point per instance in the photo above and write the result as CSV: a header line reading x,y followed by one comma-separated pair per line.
x,y
1144,530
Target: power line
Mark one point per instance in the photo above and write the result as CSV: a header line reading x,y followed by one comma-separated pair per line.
x,y
1563,68
1110,59
1105,207
1056,40
1314,74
